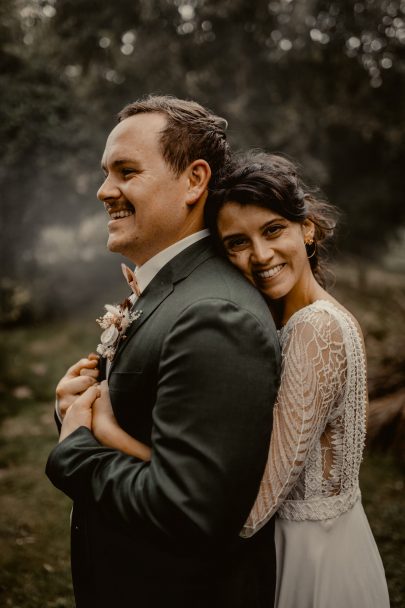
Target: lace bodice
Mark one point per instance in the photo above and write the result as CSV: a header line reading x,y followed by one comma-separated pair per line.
x,y
319,420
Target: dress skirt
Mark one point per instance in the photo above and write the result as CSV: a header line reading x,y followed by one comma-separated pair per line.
x,y
333,563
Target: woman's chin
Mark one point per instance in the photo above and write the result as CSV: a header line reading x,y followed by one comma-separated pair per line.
x,y
275,291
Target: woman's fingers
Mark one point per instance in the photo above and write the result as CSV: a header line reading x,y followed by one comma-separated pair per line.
x,y
103,403
76,368
77,379
104,387
92,373
86,399
72,387
69,389
79,413
103,422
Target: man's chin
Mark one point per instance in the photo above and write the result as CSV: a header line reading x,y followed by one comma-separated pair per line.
x,y
114,246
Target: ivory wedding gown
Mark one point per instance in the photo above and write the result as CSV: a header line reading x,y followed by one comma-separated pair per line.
x,y
326,553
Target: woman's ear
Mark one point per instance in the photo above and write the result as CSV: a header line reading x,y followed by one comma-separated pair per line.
x,y
199,175
308,230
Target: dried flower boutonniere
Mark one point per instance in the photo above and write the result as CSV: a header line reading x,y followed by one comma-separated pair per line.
x,y
115,322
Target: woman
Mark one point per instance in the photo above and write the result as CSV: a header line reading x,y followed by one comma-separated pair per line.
x,y
273,231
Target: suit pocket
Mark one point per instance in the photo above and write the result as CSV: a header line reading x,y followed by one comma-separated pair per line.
x,y
124,381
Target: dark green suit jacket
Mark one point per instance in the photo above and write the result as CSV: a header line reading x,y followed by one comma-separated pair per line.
x,y
195,379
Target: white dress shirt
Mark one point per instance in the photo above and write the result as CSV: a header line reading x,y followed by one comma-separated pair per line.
x,y
145,273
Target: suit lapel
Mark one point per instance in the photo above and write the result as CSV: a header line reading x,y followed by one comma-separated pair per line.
x,y
163,284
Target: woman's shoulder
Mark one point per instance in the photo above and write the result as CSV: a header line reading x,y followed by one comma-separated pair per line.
x,y
322,317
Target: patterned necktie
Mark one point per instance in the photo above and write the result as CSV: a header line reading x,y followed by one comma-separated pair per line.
x,y
131,279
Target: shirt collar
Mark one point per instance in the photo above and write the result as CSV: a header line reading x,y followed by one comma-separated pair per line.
x,y
145,273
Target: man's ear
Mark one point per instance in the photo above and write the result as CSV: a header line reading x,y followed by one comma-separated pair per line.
x,y
198,175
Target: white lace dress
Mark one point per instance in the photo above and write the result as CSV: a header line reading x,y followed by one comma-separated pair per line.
x,y
326,553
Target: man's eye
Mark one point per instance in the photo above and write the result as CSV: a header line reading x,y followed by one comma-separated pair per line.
x,y
127,171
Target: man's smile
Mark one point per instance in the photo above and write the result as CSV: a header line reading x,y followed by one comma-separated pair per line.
x,y
115,215
117,212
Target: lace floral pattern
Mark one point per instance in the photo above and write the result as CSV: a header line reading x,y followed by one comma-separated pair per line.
x,y
319,420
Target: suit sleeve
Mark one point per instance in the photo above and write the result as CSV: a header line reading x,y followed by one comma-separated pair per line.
x,y
212,420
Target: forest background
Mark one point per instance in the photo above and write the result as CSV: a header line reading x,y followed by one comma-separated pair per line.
x,y
320,81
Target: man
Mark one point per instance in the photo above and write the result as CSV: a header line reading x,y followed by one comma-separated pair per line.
x,y
195,379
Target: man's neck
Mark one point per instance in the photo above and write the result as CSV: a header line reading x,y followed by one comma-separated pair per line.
x,y
147,271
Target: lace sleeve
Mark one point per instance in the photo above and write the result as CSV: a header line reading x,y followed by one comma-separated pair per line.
x,y
313,376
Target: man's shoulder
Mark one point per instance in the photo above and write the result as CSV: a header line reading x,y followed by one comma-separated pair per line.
x,y
215,278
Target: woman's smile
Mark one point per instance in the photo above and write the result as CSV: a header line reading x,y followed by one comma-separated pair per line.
x,y
268,273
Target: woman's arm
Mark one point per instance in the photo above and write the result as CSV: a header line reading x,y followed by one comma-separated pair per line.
x,y
108,432
313,376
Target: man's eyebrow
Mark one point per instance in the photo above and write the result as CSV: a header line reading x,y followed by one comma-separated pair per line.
x,y
119,162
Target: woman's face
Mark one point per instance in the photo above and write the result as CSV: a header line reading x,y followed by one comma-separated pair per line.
x,y
267,248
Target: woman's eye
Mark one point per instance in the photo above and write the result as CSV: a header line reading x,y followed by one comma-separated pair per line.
x,y
235,244
273,230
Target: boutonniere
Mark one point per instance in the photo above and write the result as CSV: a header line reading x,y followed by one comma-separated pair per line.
x,y
115,322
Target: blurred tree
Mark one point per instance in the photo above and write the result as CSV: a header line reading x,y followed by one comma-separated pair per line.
x,y
43,148
320,81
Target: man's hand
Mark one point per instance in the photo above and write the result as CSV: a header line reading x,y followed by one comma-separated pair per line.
x,y
79,413
77,379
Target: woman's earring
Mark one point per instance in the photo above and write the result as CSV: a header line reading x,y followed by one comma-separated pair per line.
x,y
310,246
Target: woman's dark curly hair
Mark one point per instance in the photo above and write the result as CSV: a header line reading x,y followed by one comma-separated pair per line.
x,y
272,182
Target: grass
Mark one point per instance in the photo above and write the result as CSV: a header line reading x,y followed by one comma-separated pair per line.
x,y
34,520
34,533
382,485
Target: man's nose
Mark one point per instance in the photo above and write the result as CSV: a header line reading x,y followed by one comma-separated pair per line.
x,y
262,252
108,190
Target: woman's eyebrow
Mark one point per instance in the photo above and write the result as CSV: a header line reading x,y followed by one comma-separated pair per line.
x,y
231,236
268,223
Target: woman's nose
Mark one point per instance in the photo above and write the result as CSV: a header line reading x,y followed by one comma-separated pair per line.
x,y
262,252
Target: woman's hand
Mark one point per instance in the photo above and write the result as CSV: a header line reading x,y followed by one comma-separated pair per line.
x,y
108,432
104,422
79,413
77,379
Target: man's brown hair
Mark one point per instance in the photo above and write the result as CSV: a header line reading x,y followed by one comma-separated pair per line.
x,y
191,132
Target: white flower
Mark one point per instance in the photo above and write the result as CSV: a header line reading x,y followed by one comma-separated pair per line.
x,y
109,336
115,322
114,310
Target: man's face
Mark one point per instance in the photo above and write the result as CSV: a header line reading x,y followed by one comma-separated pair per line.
x,y
146,201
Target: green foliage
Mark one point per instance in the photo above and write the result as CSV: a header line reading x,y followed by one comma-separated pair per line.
x,y
320,81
